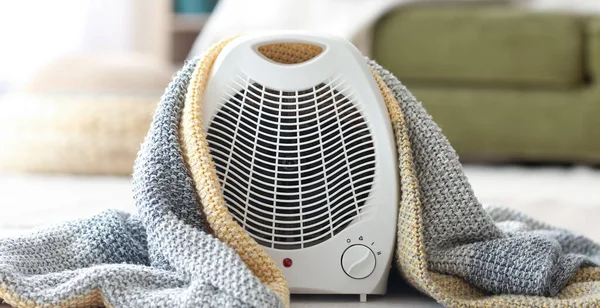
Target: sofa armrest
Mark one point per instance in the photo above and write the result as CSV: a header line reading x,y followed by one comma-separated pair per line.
x,y
593,48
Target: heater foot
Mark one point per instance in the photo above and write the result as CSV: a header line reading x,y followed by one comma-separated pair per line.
x,y
363,298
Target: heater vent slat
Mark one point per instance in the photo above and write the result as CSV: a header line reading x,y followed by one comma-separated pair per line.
x,y
296,167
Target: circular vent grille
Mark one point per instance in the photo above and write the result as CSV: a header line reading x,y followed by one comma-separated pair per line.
x,y
296,168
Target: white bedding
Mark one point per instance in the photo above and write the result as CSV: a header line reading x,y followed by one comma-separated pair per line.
x,y
566,197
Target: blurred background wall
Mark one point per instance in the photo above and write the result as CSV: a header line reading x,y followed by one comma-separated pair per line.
x,y
35,32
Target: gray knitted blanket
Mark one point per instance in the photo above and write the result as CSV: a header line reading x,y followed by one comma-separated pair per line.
x,y
166,256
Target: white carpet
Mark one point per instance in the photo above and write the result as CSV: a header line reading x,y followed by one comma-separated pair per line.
x,y
566,197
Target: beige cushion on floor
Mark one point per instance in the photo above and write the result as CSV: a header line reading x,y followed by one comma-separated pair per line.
x,y
84,114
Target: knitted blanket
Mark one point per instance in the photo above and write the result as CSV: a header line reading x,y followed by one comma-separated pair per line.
x,y
183,249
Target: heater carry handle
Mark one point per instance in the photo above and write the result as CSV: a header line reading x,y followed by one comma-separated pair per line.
x,y
302,38
336,52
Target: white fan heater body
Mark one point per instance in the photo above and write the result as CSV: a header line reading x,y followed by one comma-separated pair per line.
x,y
307,161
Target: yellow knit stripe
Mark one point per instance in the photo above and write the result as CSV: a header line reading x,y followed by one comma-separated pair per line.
x,y
196,154
583,290
410,251
94,298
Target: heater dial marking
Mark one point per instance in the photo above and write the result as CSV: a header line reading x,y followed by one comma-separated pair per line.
x,y
358,261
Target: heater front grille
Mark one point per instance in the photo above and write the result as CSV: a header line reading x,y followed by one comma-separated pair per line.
x,y
296,167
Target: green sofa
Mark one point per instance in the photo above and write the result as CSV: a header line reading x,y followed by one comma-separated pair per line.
x,y
504,84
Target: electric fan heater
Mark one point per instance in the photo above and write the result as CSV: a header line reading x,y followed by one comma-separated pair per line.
x,y
304,150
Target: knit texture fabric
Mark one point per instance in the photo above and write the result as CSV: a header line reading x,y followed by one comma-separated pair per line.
x,y
183,249
464,255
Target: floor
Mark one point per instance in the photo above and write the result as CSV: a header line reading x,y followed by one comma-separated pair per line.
x,y
566,197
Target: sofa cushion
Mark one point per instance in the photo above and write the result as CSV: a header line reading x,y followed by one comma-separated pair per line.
x,y
512,125
481,44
